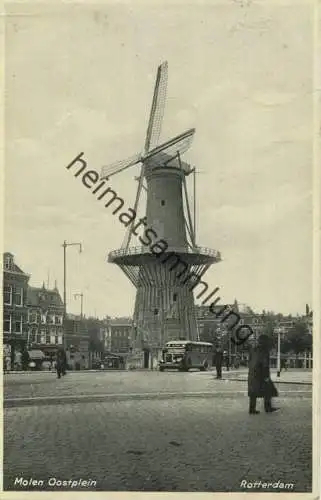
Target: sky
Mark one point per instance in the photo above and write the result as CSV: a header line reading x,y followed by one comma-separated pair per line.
x,y
80,78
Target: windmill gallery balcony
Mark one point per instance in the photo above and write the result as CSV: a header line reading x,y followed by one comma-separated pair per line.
x,y
129,256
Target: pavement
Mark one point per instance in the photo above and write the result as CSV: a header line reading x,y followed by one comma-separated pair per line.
x,y
45,388
152,431
286,377
291,375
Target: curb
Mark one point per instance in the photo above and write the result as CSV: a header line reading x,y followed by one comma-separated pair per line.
x,y
48,372
91,398
11,372
274,381
226,375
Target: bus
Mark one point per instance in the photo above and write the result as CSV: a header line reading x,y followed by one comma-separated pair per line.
x,y
185,354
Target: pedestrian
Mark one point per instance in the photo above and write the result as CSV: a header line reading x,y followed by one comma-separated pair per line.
x,y
283,365
227,361
260,384
64,364
61,362
218,360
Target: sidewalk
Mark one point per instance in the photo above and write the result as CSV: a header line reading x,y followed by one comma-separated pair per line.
x,y
286,377
30,372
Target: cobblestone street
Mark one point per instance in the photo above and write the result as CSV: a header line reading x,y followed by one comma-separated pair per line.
x,y
171,444
43,384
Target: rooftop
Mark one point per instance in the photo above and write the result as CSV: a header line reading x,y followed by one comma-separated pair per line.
x,y
9,264
43,297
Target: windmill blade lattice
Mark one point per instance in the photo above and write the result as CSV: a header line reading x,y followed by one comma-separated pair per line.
x,y
112,169
157,109
153,133
179,144
129,232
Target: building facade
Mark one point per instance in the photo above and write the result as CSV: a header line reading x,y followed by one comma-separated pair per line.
x,y
15,313
212,327
97,332
118,335
76,342
45,320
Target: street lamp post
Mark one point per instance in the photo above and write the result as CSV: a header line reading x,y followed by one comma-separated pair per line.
x,y
229,350
81,295
278,330
65,245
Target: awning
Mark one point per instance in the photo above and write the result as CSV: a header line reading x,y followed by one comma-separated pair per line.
x,y
36,354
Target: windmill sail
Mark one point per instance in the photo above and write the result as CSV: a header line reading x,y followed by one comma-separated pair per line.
x,y
157,109
118,166
179,144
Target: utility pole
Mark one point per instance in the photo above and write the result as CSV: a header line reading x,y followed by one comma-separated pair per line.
x,y
81,295
65,245
278,330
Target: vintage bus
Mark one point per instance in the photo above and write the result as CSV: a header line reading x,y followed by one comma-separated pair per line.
x,y
186,354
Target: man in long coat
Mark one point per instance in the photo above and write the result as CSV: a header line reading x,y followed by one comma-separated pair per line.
x,y
218,361
260,384
61,362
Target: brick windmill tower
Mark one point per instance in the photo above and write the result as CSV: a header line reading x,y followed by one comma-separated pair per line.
x,y
164,307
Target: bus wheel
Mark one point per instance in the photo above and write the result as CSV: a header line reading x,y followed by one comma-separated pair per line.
x,y
204,367
161,368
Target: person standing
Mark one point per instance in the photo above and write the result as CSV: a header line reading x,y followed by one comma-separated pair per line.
x,y
25,359
218,361
64,362
260,384
61,362
227,361
283,365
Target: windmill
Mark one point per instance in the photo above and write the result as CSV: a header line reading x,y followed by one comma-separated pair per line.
x,y
168,214
165,153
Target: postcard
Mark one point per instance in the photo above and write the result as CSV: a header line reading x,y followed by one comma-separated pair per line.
x,y
160,285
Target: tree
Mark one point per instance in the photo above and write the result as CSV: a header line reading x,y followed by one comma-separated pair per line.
x,y
285,345
269,324
299,339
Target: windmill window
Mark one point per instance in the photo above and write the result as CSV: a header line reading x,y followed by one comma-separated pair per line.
x,y
163,203
155,312
174,297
